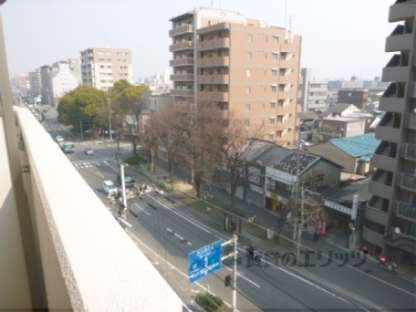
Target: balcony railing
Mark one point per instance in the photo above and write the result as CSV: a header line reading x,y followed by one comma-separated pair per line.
x,y
216,61
213,96
183,92
400,39
182,77
408,181
411,121
181,46
87,262
406,210
396,70
181,30
214,44
186,61
409,151
213,79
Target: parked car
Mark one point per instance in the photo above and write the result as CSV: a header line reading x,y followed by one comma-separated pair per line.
x,y
68,148
128,181
59,138
109,188
89,151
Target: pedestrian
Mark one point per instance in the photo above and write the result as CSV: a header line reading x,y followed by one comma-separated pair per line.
x,y
250,255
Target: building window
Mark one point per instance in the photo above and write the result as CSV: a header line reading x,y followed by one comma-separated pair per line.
x,y
250,56
279,134
281,103
279,118
250,38
248,106
248,73
275,56
272,121
273,104
247,123
274,72
274,89
248,90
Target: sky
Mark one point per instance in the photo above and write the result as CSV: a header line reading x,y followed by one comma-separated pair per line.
x,y
341,38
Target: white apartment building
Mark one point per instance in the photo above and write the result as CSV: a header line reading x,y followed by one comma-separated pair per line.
x,y
102,67
313,95
64,79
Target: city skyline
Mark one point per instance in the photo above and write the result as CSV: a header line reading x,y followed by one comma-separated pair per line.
x,y
329,54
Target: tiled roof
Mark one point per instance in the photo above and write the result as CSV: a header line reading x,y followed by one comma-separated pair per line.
x,y
361,146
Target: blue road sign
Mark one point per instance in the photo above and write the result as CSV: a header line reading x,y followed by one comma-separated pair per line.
x,y
204,261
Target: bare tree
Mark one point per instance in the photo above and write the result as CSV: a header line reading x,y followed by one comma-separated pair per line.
x,y
149,135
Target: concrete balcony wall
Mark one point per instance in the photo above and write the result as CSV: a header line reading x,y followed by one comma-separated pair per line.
x,y
392,104
89,262
380,189
214,96
402,11
384,162
14,284
395,73
214,44
376,215
373,237
181,46
388,134
213,79
186,61
182,77
181,30
411,121
183,93
399,42
214,61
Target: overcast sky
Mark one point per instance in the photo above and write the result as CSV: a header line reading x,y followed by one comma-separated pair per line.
x,y
341,38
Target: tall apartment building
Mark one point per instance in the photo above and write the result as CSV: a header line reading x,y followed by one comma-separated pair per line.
x,y
46,85
35,83
102,67
250,70
313,94
390,218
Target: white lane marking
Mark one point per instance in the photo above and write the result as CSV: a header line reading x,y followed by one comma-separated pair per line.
x,y
172,266
141,209
242,276
178,236
202,227
221,236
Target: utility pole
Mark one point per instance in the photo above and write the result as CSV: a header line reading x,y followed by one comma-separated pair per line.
x,y
82,130
301,223
123,189
234,255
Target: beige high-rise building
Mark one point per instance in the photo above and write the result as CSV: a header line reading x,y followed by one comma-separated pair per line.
x,y
102,67
390,217
249,69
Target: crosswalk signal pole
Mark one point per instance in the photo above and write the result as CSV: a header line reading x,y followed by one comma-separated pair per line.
x,y
123,188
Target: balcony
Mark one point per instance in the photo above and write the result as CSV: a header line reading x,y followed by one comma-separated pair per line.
x,y
373,237
214,28
181,46
213,96
182,77
408,182
78,258
214,44
183,92
213,79
380,189
375,215
399,40
181,30
402,10
396,70
408,151
218,61
389,134
406,211
401,240
384,161
411,121
186,61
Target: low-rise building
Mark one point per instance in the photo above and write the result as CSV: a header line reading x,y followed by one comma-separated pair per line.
x,y
273,170
340,127
353,154
357,97
313,94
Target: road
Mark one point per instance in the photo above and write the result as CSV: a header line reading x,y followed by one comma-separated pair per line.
x,y
167,234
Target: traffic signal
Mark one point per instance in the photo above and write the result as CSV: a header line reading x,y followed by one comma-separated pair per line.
x,y
227,281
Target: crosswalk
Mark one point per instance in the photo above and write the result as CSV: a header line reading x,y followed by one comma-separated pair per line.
x,y
81,164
